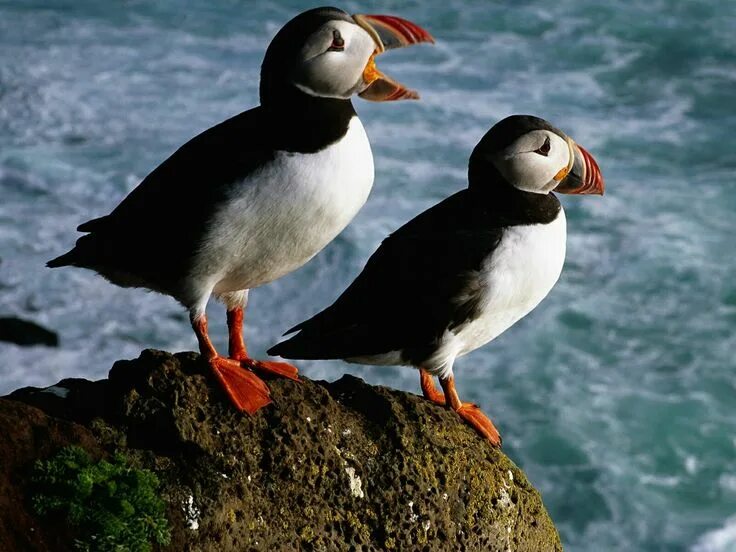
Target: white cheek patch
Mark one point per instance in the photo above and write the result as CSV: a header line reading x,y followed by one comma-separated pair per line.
x,y
527,170
334,74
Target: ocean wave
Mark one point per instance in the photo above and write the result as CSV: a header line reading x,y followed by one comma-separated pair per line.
x,y
722,539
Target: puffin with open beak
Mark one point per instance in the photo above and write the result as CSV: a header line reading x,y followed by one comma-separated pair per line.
x,y
258,195
464,271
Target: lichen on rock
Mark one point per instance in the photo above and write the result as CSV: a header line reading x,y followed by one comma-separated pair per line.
x,y
328,466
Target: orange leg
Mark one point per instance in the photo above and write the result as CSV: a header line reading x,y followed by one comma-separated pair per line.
x,y
246,390
239,353
470,413
429,391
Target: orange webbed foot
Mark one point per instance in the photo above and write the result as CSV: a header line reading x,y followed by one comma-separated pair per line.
x,y
271,368
246,390
474,417
470,412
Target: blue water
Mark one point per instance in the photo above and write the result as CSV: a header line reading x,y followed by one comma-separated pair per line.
x,y
617,395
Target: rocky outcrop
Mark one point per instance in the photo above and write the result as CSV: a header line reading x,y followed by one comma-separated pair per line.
x,y
328,466
26,333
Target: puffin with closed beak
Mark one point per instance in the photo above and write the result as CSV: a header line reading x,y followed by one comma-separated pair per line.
x,y
464,271
258,195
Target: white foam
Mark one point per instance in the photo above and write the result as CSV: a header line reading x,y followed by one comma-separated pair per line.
x,y
722,539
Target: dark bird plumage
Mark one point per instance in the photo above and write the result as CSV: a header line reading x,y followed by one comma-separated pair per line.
x,y
420,281
464,271
149,239
258,195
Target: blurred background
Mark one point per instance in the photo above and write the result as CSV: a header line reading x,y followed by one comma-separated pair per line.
x,y
617,395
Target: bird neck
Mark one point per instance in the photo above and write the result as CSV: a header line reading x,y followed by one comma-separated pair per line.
x,y
304,123
510,205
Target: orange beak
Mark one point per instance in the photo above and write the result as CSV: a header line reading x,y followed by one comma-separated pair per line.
x,y
584,177
388,32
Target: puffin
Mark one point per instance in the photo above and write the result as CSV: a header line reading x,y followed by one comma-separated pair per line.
x,y
258,195
461,273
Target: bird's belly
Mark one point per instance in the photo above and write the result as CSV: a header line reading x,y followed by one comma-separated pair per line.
x,y
287,213
521,272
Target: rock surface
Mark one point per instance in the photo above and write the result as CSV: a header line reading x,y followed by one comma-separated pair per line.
x,y
26,333
329,466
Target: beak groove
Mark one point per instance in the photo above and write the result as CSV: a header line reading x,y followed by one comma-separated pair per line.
x,y
388,32
593,179
585,175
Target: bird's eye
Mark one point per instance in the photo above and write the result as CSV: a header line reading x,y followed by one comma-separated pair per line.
x,y
544,149
338,43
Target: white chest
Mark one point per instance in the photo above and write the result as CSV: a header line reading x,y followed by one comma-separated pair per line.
x,y
520,273
285,213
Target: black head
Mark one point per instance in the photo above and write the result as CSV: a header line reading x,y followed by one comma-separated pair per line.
x,y
327,53
529,154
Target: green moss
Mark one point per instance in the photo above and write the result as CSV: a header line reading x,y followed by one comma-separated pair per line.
x,y
112,506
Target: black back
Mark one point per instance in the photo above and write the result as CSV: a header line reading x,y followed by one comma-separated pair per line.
x,y
425,278
150,238
422,280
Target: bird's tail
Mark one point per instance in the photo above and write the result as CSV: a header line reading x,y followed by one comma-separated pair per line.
x,y
88,252
89,249
297,347
67,259
311,345
321,344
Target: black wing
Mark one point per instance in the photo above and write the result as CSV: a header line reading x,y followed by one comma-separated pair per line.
x,y
420,282
152,233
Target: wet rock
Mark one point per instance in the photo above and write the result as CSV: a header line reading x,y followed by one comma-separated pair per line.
x,y
26,333
328,466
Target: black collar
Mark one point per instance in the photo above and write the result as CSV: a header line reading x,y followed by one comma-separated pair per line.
x,y
492,196
299,122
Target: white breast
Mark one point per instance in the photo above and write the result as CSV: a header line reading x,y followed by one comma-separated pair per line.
x,y
520,273
284,214
517,276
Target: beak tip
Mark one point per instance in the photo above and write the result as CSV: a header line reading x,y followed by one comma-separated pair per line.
x,y
388,32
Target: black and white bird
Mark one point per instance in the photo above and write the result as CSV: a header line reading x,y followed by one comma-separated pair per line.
x,y
258,195
462,272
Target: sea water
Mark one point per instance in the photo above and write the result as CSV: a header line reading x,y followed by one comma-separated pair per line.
x,y
617,395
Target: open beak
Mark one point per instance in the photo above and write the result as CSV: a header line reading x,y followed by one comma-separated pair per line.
x,y
584,177
388,32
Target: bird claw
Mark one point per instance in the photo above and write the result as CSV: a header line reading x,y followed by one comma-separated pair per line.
x,y
474,417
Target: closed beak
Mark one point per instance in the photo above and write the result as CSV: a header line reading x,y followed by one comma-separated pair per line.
x,y
584,177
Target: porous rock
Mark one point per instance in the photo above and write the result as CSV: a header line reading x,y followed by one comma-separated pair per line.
x,y
328,466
